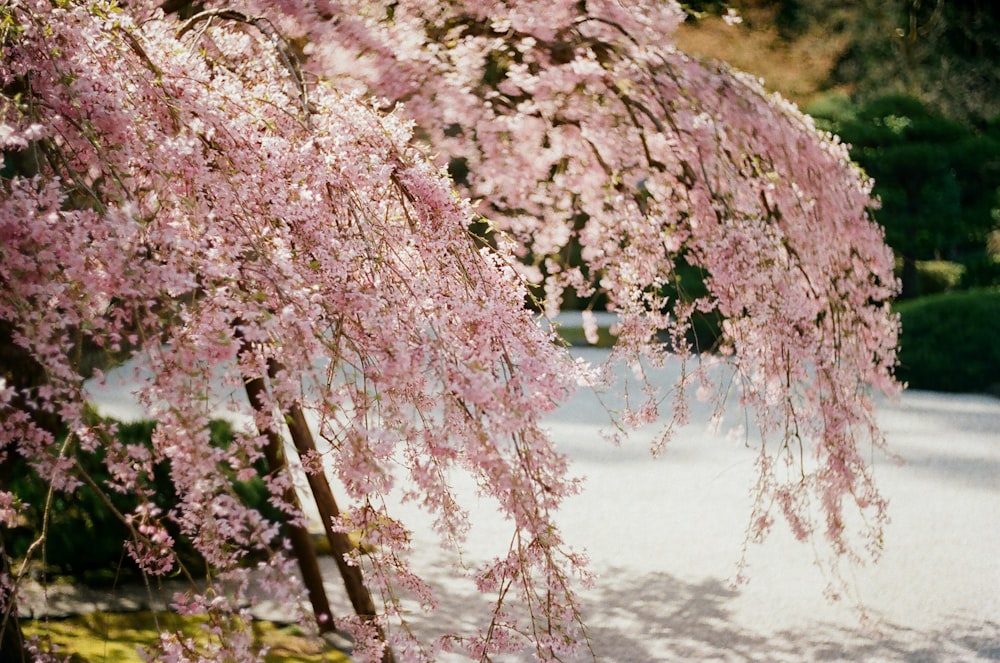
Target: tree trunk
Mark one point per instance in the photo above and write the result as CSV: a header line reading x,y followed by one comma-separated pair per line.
x,y
12,649
302,544
340,543
305,551
910,278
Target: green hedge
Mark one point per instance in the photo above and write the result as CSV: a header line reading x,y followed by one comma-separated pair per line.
x,y
951,342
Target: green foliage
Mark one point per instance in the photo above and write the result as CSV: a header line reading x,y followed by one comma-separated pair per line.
x,y
831,110
948,342
84,538
935,177
687,286
943,52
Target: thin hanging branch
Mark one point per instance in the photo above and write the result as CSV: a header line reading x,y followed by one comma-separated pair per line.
x,y
267,29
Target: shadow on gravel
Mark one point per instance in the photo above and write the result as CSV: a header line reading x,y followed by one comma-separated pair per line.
x,y
969,413
659,618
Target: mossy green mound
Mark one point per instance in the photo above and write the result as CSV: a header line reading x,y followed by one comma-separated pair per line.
x,y
117,637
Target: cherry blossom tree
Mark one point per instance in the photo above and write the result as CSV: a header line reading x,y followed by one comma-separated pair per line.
x,y
263,193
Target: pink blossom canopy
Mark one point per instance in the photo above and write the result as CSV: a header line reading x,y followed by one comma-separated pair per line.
x,y
266,193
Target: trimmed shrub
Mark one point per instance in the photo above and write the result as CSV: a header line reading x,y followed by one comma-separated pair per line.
x,y
949,342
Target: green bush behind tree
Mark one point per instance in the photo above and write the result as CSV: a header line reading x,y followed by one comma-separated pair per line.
x,y
86,540
949,341
936,178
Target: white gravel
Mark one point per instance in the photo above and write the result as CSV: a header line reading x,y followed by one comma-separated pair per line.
x,y
664,536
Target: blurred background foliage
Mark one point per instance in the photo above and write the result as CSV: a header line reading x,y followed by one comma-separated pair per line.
x,y
942,52
913,86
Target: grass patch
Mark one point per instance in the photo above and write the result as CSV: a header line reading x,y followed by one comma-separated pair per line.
x,y
103,636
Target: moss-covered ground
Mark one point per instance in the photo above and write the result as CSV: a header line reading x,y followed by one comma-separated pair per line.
x,y
117,637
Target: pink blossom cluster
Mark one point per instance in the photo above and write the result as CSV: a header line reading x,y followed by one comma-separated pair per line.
x,y
582,126
183,193
175,199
